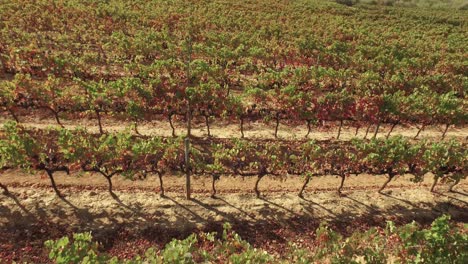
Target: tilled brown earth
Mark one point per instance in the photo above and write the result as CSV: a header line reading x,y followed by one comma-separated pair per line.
x,y
139,218
253,130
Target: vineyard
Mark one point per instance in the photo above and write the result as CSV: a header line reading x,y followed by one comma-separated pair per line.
x,y
233,102
206,55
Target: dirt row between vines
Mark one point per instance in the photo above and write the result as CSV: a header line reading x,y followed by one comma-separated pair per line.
x,y
140,218
256,130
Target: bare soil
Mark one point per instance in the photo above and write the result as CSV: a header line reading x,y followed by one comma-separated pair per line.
x,y
257,129
139,218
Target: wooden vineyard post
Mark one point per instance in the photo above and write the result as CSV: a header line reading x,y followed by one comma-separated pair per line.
x,y
189,123
189,115
189,82
187,168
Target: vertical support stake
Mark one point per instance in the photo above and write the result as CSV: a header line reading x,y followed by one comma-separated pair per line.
x,y
187,168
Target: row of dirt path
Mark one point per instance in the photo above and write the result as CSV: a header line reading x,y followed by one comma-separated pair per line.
x,y
255,130
138,217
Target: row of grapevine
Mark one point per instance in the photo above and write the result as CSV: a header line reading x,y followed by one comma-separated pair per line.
x,y
137,100
53,150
